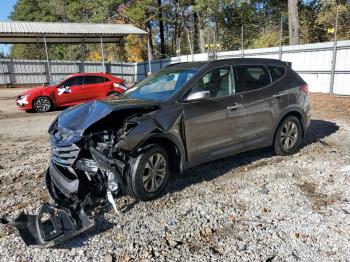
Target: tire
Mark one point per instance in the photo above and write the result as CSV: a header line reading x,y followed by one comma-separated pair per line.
x,y
288,136
42,104
113,93
143,183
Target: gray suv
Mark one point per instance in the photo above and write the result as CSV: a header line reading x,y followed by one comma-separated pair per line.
x,y
186,114
182,116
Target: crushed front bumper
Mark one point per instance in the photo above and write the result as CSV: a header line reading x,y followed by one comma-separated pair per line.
x,y
51,226
68,218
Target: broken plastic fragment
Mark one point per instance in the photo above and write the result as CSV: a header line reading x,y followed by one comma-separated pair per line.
x,y
112,201
51,226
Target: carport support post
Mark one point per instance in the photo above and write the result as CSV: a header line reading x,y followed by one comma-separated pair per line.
x,y
47,59
334,59
103,56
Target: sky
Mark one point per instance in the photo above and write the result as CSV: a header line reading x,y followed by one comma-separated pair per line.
x,y
6,7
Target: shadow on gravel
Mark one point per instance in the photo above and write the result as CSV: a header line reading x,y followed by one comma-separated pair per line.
x,y
318,130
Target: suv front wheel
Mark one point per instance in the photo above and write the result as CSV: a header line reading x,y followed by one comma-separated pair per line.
x,y
149,173
288,136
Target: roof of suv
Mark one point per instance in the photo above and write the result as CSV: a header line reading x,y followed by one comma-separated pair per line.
x,y
264,61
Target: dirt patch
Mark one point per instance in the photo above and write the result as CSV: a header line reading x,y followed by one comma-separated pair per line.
x,y
319,200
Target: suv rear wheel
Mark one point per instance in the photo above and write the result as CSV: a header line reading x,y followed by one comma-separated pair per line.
x,y
149,173
288,136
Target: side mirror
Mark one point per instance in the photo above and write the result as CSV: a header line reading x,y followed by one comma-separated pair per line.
x,y
198,96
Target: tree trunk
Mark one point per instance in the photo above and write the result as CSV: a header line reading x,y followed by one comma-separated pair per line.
x,y
293,22
196,42
200,36
161,29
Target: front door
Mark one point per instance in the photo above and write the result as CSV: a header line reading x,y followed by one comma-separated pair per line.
x,y
209,124
69,92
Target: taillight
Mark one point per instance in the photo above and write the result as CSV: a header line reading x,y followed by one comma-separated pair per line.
x,y
305,89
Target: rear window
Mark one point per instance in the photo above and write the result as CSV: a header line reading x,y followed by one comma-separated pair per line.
x,y
89,80
251,77
276,72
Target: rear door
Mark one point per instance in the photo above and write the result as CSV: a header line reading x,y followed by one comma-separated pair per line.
x,y
95,87
209,124
70,91
261,99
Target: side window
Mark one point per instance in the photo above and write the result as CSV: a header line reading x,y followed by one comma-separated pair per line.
x,y
90,80
276,72
218,82
74,81
103,79
251,77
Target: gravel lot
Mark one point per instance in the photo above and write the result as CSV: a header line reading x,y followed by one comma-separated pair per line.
x,y
254,206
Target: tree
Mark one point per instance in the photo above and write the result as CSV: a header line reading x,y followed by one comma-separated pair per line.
x,y
293,20
161,29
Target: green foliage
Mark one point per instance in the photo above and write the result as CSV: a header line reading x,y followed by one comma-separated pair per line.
x,y
188,25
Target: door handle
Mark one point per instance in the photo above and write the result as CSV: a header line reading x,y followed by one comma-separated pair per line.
x,y
233,107
279,94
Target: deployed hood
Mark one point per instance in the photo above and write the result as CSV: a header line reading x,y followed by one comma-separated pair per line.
x,y
77,119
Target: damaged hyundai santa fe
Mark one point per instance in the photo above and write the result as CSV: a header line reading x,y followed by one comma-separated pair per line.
x,y
185,115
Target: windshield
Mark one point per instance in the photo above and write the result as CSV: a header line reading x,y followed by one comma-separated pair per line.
x,y
162,85
56,82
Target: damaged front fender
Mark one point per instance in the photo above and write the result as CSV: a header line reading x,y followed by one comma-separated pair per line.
x,y
166,124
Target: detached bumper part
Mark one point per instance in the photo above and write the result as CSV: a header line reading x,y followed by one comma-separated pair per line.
x,y
51,226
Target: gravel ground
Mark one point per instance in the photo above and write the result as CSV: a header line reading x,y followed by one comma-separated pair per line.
x,y
253,207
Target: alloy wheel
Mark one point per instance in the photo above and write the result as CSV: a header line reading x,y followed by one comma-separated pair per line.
x,y
42,104
154,173
289,135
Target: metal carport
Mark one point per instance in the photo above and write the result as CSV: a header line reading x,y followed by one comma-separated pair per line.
x,y
18,32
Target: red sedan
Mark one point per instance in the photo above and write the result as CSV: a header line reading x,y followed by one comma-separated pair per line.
x,y
73,90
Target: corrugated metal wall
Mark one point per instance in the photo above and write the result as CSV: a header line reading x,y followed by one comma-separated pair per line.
x,y
312,61
29,72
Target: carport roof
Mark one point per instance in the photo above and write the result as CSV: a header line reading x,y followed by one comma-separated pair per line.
x,y
15,32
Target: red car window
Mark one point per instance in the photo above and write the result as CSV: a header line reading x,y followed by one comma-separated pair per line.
x,y
90,80
74,81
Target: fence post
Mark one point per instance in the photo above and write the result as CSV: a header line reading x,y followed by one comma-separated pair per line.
x,y
103,56
3,72
334,59
11,71
242,40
